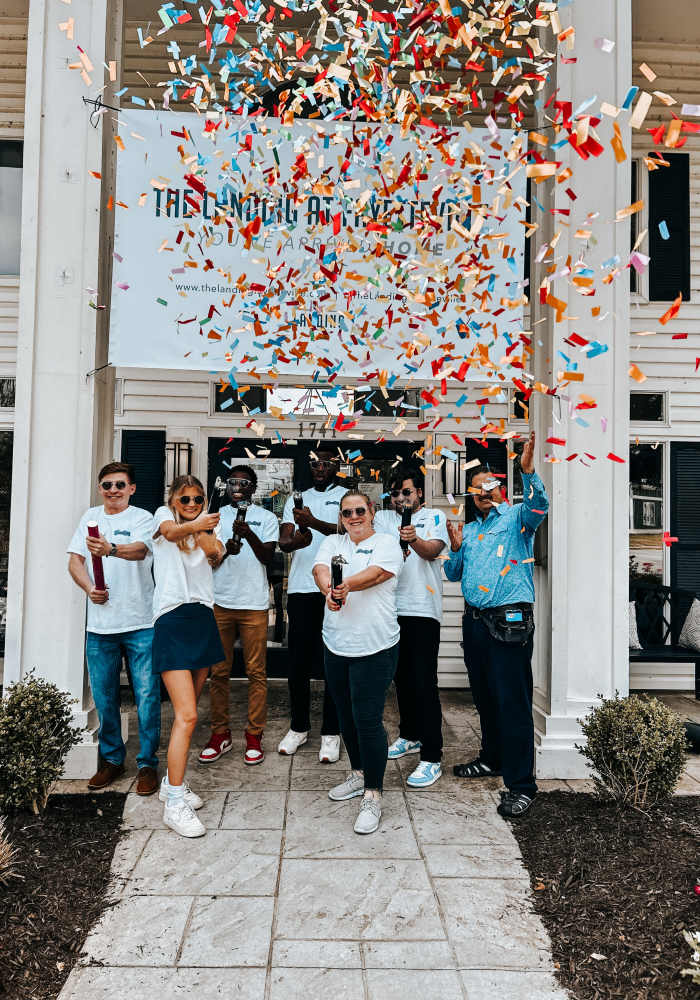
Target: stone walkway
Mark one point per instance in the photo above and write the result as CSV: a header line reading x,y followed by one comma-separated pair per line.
x,y
281,900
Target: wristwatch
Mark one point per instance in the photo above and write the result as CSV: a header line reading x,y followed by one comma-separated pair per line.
x,y
113,550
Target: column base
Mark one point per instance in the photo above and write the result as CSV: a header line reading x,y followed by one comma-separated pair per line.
x,y
82,760
556,755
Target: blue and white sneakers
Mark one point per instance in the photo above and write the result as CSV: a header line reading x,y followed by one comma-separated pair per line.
x,y
402,747
425,774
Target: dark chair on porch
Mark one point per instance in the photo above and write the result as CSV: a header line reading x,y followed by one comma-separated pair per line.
x,y
661,612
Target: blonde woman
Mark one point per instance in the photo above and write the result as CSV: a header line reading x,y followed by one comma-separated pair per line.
x,y
360,636
185,640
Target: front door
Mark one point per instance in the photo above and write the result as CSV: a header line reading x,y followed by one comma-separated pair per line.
x,y
281,469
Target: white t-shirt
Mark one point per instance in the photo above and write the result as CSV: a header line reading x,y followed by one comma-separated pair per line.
x,y
367,621
130,583
241,580
182,577
324,505
419,590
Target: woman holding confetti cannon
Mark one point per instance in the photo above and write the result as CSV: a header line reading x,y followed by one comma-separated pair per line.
x,y
186,640
356,570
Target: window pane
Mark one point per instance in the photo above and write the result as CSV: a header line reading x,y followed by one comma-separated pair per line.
x,y
646,514
646,406
10,206
230,400
7,392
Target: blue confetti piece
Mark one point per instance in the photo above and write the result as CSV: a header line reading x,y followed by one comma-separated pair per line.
x,y
663,230
631,93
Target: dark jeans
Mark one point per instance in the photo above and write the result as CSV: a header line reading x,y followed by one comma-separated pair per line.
x,y
417,685
500,676
359,685
305,614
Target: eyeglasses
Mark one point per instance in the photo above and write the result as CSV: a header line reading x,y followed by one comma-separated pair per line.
x,y
186,501
107,484
239,482
401,493
349,511
320,463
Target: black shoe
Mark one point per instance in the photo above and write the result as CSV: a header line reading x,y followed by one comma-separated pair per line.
x,y
474,769
514,803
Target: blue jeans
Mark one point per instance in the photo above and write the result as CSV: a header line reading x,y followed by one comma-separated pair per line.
x,y
104,657
358,685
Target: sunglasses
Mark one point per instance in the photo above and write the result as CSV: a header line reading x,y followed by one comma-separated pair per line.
x,y
401,493
239,482
319,463
349,511
107,484
186,501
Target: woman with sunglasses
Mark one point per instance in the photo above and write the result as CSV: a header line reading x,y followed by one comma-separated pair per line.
x,y
360,636
186,640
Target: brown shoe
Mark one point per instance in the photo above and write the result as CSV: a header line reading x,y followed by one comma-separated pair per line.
x,y
148,781
105,775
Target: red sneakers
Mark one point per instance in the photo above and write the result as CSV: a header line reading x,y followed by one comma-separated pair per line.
x,y
253,749
218,743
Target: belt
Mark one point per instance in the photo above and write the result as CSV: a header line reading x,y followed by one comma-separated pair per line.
x,y
477,613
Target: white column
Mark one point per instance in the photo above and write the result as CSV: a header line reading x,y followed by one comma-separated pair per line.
x,y
56,446
582,598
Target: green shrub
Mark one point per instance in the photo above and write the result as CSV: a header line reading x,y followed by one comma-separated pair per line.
x,y
36,733
636,748
693,939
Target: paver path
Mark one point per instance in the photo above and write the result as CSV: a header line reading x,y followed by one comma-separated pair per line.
x,y
281,900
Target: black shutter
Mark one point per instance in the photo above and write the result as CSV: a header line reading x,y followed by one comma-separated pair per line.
x,y
685,522
669,202
145,450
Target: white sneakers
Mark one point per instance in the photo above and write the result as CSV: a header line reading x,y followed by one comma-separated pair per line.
x,y
353,785
330,750
291,743
182,818
369,815
191,798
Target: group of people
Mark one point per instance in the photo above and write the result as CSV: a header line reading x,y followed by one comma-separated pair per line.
x,y
364,606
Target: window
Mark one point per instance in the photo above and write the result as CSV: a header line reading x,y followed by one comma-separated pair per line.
x,y
519,405
396,403
230,400
10,205
646,512
669,228
647,407
7,393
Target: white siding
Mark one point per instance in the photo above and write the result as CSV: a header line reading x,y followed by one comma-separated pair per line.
x,y
13,70
9,308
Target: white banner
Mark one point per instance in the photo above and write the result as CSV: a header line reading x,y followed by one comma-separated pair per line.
x,y
322,247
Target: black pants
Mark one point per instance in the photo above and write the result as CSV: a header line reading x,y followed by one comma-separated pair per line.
x,y
305,614
500,676
359,685
417,685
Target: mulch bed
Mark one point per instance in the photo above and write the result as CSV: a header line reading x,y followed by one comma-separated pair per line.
x,y
615,884
46,913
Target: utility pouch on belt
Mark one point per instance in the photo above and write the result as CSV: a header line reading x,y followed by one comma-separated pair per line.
x,y
512,623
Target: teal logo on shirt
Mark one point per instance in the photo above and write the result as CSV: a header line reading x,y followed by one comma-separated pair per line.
x,y
365,552
332,503
122,531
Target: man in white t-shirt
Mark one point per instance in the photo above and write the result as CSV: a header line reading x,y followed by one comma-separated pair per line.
x,y
304,526
119,621
241,603
419,606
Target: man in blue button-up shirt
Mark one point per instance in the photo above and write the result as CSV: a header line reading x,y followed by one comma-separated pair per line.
x,y
493,559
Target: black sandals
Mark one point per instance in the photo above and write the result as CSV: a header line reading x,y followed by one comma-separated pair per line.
x,y
514,803
474,769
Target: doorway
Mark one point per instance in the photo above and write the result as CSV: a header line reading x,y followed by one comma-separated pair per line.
x,y
280,470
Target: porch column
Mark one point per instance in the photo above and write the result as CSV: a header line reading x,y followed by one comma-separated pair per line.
x,y
582,643
58,443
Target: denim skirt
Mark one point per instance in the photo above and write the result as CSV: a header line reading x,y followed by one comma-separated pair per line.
x,y
186,638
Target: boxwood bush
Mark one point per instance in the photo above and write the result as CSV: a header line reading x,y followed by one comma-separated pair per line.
x,y
636,749
36,733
